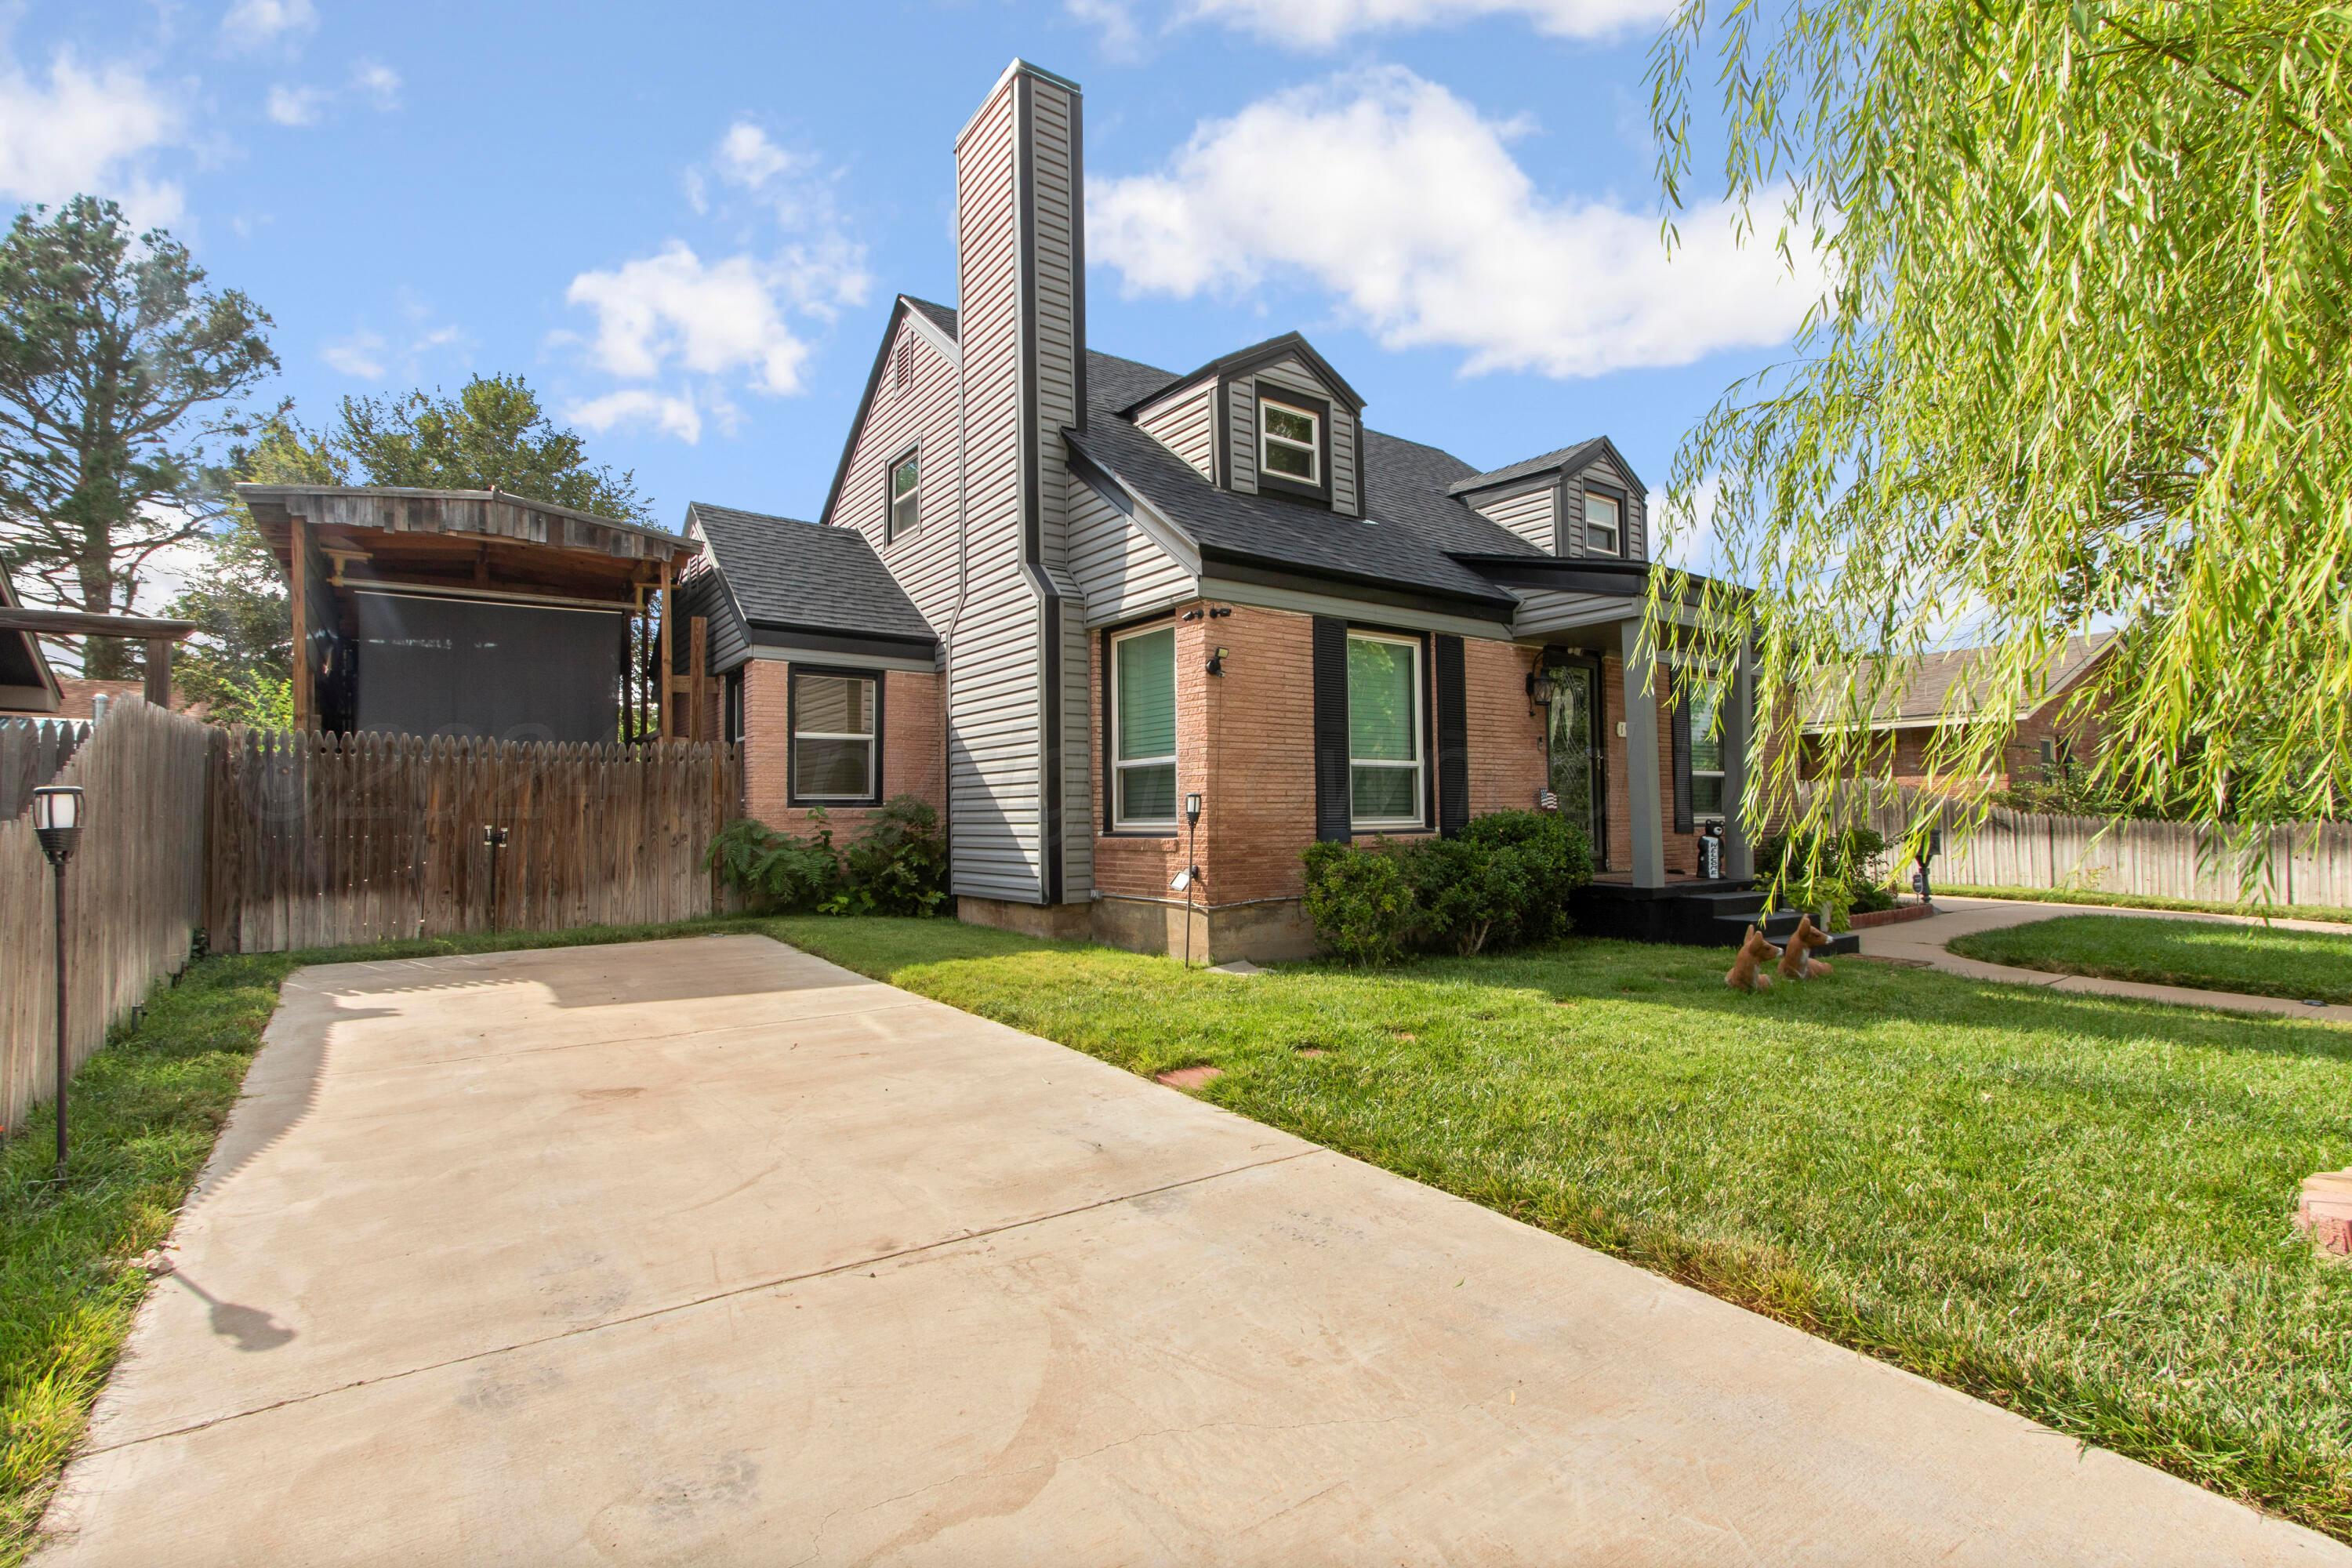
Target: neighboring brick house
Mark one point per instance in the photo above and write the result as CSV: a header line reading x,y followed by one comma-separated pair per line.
x,y
1933,694
1062,595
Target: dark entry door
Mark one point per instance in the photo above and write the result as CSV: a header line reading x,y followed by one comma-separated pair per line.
x,y
1578,772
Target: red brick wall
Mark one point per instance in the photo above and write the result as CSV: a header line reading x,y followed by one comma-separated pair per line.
x,y
914,747
1509,766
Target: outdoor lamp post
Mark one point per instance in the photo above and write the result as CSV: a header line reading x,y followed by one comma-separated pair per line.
x,y
1189,877
494,838
57,823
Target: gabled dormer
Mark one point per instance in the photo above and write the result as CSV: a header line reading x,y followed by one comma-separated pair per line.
x,y
1272,419
1582,501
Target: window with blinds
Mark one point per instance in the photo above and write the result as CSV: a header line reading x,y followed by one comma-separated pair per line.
x,y
834,746
1143,723
1384,759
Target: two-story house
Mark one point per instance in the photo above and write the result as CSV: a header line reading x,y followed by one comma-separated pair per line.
x,y
1066,597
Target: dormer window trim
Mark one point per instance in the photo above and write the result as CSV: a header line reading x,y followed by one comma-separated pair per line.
x,y
1616,498
1276,437
1317,484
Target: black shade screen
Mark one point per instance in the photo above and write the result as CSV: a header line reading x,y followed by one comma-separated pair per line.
x,y
465,667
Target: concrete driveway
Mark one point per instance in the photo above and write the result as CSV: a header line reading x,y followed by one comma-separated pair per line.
x,y
707,1251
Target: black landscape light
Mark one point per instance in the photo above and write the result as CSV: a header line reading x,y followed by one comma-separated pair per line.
x,y
1189,877
57,823
494,838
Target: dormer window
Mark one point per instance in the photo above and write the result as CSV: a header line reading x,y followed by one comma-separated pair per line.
x,y
906,497
1290,442
1604,524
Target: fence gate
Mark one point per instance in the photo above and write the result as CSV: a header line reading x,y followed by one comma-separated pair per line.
x,y
320,840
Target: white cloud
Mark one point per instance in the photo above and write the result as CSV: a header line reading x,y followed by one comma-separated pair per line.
x,y
251,24
711,318
1408,206
362,354
671,413
87,130
1325,24
735,320
378,83
295,105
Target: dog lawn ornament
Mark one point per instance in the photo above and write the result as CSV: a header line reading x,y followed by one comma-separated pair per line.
x,y
1797,962
1748,971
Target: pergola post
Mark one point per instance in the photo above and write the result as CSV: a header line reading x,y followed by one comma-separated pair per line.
x,y
1645,806
159,672
298,579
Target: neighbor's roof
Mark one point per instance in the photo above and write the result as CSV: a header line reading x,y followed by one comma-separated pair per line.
x,y
790,575
26,683
1941,688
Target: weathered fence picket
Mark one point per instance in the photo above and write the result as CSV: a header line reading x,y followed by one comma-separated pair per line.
x,y
133,894
323,840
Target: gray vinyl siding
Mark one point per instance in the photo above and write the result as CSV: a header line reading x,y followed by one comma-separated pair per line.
x,y
1119,568
1295,377
923,562
1604,471
1187,426
1019,390
993,721
1531,513
1542,611
1241,434
701,592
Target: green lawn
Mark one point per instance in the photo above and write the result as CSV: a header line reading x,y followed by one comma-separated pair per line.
x,y
2139,901
2208,954
2074,1207
145,1112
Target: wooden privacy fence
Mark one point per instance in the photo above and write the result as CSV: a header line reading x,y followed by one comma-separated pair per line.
x,y
134,895
32,753
2309,863
319,840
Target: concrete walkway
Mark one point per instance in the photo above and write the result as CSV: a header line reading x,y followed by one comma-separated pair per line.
x,y
1923,942
707,1251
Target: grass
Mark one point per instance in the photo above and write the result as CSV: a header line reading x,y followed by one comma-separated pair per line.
x,y
144,1114
2207,955
2139,902
2074,1207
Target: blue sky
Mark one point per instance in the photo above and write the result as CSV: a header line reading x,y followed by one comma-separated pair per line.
x,y
686,226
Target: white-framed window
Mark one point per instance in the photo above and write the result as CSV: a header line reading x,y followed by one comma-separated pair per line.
x,y
1290,442
1384,760
1143,723
1706,758
1604,524
906,497
834,753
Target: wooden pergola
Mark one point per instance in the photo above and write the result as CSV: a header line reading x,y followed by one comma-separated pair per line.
x,y
158,633
334,542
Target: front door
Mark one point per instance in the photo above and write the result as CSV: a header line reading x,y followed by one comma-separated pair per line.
x,y
1578,772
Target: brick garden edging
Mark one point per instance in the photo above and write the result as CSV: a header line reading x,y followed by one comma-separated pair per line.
x,y
1862,920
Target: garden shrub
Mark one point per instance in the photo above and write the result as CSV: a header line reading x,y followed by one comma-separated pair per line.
x,y
1361,905
1835,871
897,865
1505,880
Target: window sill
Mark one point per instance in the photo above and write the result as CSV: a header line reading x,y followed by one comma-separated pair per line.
x,y
1139,833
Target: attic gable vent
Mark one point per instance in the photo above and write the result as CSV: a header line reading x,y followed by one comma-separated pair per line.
x,y
903,368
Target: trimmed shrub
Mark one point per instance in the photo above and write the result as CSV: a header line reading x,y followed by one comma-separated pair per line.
x,y
1361,905
1505,880
897,865
1835,871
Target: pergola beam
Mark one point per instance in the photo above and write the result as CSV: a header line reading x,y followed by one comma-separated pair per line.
x,y
89,624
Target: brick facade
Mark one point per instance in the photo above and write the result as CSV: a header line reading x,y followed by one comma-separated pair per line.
x,y
914,747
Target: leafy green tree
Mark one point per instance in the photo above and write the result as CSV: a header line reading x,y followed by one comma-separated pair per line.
x,y
2082,361
239,665
492,433
116,368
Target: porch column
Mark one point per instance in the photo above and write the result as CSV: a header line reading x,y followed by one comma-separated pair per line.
x,y
1644,807
1738,733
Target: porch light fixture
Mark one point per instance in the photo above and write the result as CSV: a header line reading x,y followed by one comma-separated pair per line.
x,y
1540,689
57,823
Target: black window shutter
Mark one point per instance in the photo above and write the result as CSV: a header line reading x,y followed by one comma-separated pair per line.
x,y
1680,725
1452,738
1331,810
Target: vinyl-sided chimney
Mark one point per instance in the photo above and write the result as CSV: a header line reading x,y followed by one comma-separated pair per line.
x,y
1021,807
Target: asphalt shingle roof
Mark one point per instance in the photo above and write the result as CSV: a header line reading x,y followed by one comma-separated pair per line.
x,y
1413,517
1563,458
797,576
1919,692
